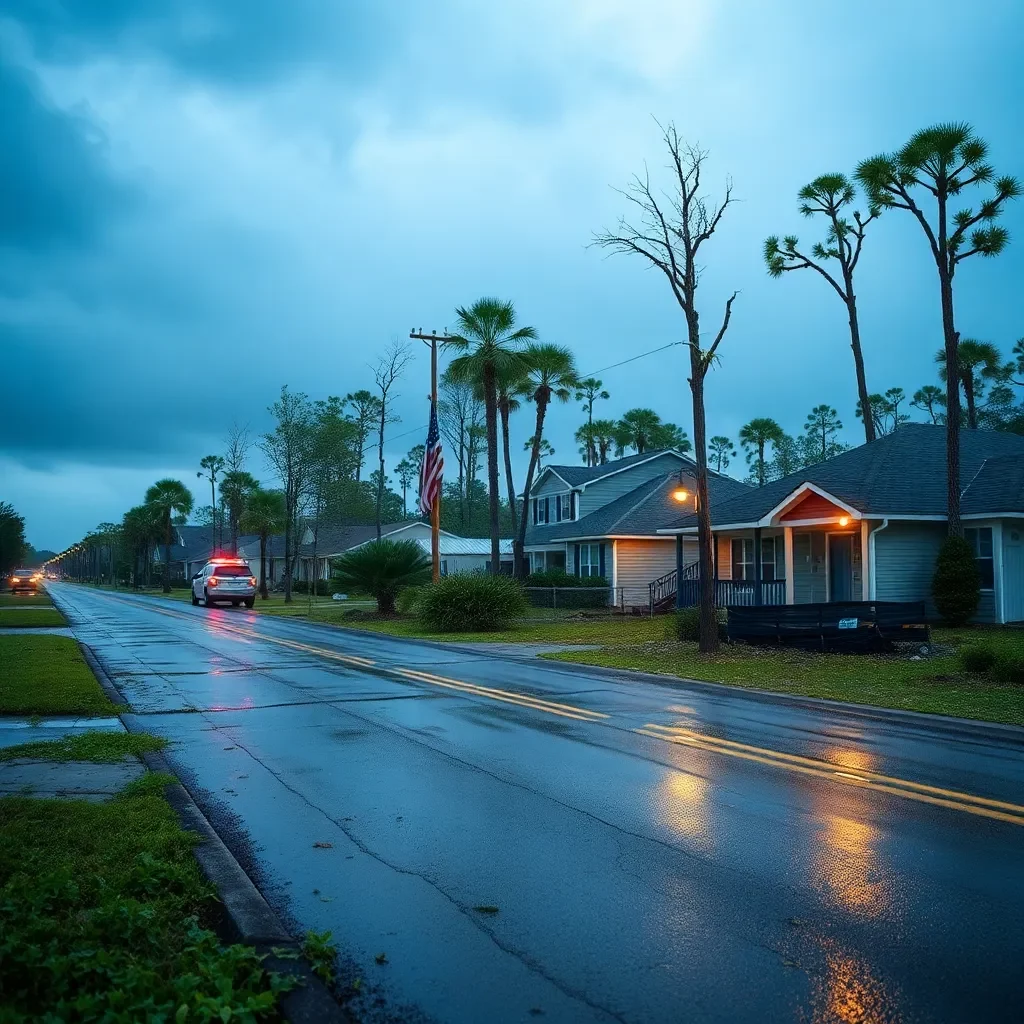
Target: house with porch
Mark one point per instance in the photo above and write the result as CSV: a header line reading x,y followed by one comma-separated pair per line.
x,y
868,524
603,522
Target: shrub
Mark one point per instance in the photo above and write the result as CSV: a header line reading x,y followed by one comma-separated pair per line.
x,y
685,625
560,578
323,587
408,602
956,585
978,658
382,569
1009,668
472,604
571,591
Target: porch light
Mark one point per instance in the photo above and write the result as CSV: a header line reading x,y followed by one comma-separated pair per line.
x,y
844,520
680,494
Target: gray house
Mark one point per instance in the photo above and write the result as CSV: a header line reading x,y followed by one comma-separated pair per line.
x,y
604,521
868,525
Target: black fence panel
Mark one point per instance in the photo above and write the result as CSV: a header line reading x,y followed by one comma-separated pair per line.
x,y
845,625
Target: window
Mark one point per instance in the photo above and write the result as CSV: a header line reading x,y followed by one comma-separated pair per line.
x,y
444,566
590,559
558,508
980,540
541,510
572,505
772,559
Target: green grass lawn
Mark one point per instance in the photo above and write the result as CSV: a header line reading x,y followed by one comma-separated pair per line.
x,y
936,684
40,599
105,747
577,630
106,916
47,675
11,617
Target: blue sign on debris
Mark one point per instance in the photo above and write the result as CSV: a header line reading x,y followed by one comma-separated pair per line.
x,y
848,623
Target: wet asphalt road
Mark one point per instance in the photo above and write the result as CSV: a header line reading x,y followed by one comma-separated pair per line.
x,y
655,853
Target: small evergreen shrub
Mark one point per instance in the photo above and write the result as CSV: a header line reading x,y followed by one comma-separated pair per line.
x,y
466,603
1009,667
956,585
382,569
408,602
978,658
685,625
570,592
560,578
323,587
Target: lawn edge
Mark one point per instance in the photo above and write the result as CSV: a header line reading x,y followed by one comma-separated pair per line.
x,y
931,719
251,918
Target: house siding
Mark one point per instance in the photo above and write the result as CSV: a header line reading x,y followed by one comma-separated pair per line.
x,y
550,485
905,556
602,492
640,562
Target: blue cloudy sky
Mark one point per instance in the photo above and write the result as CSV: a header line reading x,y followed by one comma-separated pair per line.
x,y
203,199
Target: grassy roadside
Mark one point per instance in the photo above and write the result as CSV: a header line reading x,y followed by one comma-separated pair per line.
x,y
106,916
935,684
47,675
14,617
40,599
98,747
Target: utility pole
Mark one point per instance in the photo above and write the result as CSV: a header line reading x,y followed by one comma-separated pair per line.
x,y
435,509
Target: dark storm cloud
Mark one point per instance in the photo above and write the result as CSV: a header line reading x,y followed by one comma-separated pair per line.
x,y
55,188
235,41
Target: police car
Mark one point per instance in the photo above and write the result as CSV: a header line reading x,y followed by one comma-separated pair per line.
x,y
224,581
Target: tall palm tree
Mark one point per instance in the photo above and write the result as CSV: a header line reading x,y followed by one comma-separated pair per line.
x,y
492,344
168,498
265,515
636,429
588,392
552,375
755,436
604,437
977,362
209,467
236,486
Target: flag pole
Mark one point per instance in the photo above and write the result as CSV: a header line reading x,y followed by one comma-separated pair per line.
x,y
435,509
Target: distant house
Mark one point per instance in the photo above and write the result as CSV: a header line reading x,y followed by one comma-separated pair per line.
x,y
604,521
868,524
468,554
194,546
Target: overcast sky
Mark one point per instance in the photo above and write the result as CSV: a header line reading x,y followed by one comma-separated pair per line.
x,y
201,200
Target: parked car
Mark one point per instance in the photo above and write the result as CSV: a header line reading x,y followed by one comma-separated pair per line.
x,y
25,579
224,581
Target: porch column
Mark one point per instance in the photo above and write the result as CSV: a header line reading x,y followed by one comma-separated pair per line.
x,y
679,570
787,540
865,583
758,596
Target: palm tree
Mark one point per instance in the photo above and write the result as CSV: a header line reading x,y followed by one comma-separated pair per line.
x,y
978,362
210,466
589,391
930,399
552,375
754,437
168,498
545,449
382,568
636,429
236,486
488,335
604,437
265,515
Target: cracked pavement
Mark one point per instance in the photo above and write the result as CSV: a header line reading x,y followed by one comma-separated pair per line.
x,y
528,841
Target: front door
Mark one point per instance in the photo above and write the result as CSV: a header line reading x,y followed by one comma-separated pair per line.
x,y
840,567
1013,575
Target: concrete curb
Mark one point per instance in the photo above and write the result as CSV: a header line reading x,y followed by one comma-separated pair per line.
x,y
919,719
252,920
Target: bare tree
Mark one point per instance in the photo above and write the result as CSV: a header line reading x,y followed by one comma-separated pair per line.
x,y
459,411
388,368
671,231
365,410
236,447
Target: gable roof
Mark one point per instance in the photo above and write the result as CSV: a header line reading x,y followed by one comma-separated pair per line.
x,y
639,513
900,474
334,540
581,476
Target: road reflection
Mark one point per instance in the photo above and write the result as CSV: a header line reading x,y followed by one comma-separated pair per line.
x,y
683,803
849,993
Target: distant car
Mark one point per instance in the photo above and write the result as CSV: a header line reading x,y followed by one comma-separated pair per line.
x,y
24,579
224,581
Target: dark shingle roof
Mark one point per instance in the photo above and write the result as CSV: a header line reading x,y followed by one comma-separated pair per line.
x,y
903,473
997,487
639,513
577,476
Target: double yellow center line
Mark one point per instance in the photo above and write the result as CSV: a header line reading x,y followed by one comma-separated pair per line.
x,y
951,798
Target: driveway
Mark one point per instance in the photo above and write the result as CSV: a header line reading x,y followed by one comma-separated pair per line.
x,y
530,841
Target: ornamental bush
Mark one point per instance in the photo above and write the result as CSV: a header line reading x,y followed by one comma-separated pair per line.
x,y
1009,668
956,585
978,658
465,603
686,625
382,569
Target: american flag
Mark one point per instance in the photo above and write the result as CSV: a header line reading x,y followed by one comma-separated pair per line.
x,y
433,465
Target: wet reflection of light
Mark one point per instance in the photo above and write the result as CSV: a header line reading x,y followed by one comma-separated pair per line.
x,y
846,865
858,760
850,994
682,798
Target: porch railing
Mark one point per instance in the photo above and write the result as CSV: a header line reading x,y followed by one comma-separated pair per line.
x,y
734,593
662,591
